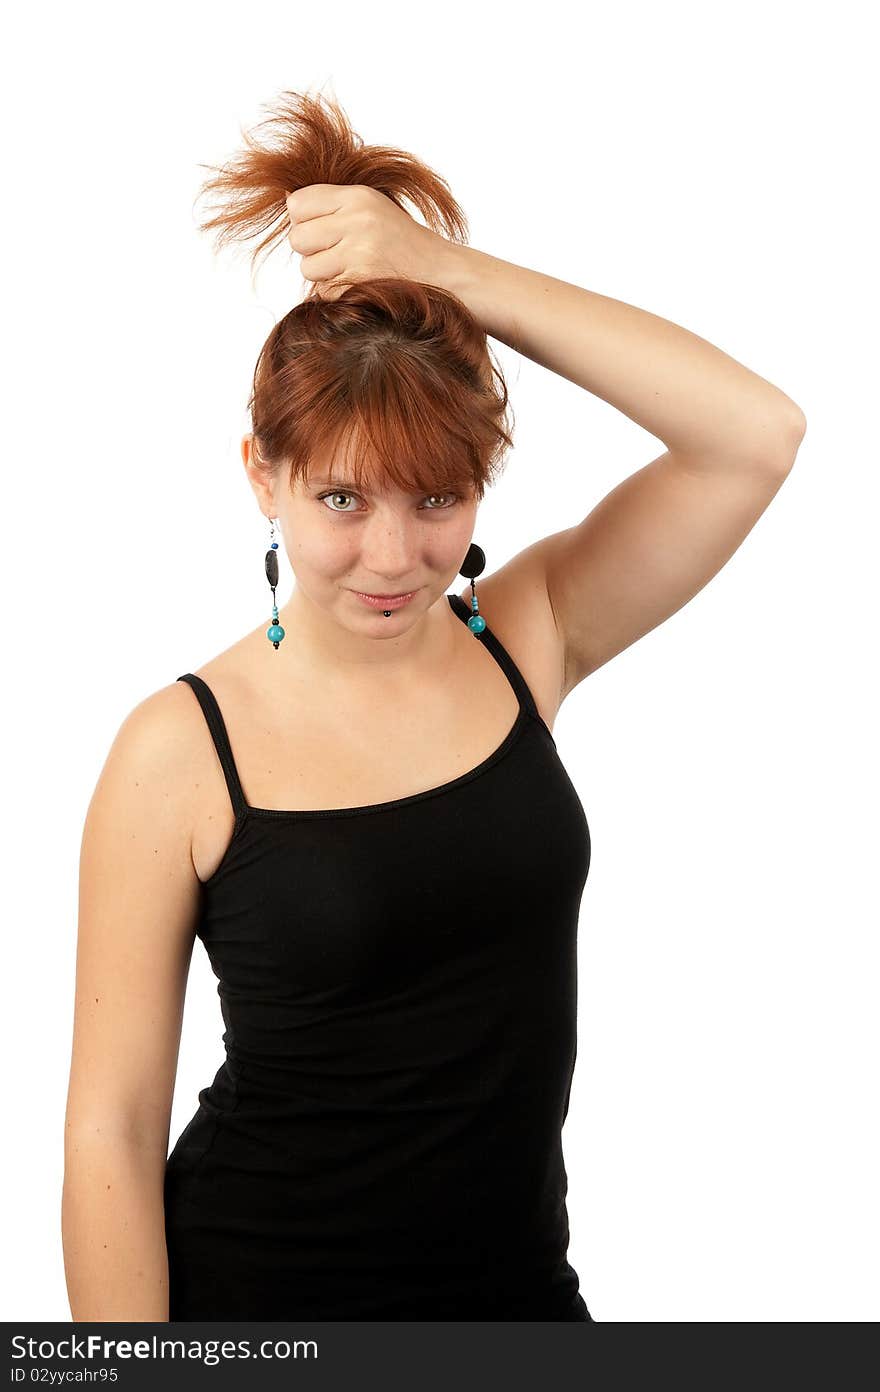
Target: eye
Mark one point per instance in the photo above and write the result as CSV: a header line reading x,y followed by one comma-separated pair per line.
x,y
337,493
451,500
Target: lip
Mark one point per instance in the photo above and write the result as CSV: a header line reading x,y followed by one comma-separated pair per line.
x,y
384,601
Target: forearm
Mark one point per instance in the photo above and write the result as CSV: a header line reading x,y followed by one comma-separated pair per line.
x,y
113,1231
676,385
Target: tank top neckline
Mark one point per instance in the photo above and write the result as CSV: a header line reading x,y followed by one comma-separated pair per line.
x,y
244,810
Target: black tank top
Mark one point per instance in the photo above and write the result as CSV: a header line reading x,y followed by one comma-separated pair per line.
x,y
398,984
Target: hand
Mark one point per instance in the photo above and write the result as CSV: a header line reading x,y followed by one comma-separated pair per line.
x,y
353,232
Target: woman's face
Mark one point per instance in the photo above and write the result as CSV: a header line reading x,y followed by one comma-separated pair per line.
x,y
380,540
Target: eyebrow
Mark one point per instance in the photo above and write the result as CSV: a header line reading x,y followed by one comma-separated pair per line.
x,y
347,486
343,485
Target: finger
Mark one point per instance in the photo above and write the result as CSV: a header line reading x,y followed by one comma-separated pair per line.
x,y
319,234
314,200
324,265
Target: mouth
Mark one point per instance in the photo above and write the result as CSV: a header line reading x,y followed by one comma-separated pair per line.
x,y
380,601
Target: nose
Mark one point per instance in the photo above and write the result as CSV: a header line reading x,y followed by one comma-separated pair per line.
x,y
390,552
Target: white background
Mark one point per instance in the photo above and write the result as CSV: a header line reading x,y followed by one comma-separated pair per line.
x,y
709,163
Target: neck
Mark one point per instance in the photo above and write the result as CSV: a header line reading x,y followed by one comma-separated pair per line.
x,y
393,647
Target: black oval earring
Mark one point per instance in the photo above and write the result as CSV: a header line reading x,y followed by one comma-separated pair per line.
x,y
274,632
473,565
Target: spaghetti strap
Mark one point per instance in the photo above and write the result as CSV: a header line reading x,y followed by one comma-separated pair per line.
x,y
501,656
216,724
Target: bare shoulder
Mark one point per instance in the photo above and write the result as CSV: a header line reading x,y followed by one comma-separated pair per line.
x,y
159,733
151,777
516,605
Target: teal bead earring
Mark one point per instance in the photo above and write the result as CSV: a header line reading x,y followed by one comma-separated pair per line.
x,y
274,632
473,565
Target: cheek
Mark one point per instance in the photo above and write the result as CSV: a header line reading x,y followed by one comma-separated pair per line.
x,y
463,532
324,549
457,544
445,547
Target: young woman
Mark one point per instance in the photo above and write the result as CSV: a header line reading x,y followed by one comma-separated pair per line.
x,y
360,809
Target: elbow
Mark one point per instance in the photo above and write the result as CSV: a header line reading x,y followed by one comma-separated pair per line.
x,y
798,426
786,440
797,429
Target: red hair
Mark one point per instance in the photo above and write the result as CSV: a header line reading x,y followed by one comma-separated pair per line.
x,y
397,370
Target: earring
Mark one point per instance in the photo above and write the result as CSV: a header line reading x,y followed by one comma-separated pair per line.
x,y
274,632
473,565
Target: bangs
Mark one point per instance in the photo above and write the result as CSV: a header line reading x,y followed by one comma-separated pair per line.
x,y
396,429
376,463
